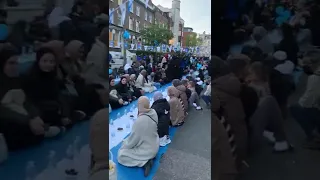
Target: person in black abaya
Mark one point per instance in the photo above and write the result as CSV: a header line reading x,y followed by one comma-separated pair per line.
x,y
43,88
20,123
123,89
115,99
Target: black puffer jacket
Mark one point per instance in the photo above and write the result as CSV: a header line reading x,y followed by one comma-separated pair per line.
x,y
162,107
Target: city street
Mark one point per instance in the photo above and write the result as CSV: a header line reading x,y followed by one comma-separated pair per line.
x,y
189,155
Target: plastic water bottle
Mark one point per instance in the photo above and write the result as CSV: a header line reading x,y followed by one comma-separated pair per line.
x,y
118,116
30,171
125,111
111,122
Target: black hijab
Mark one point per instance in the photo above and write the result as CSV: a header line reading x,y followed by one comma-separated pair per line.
x,y
111,87
122,88
40,85
7,83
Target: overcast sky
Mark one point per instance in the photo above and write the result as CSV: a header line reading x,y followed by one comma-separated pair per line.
x,y
195,13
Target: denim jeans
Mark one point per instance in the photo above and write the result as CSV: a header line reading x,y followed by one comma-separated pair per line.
x,y
206,99
308,118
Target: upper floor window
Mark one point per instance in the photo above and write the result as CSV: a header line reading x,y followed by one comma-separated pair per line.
x,y
138,11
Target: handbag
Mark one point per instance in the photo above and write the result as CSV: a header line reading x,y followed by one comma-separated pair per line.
x,y
112,168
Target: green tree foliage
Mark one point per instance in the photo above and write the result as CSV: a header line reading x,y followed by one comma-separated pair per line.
x,y
156,33
191,40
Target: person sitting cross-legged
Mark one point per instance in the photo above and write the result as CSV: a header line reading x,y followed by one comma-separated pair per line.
x,y
142,145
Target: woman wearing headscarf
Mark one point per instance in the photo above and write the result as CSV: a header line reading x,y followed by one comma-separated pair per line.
x,y
19,119
142,83
99,129
137,92
227,103
123,89
182,93
260,34
72,70
115,98
42,86
177,113
142,145
162,107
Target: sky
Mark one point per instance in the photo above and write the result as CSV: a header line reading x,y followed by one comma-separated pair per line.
x,y
195,13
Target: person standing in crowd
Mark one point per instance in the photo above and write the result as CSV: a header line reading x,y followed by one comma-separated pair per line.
x,y
142,145
162,107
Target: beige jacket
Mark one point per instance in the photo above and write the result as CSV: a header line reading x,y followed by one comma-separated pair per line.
x,y
97,64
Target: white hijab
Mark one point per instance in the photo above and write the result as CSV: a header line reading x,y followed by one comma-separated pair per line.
x,y
127,66
56,17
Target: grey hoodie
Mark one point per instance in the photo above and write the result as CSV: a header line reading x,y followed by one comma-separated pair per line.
x,y
143,142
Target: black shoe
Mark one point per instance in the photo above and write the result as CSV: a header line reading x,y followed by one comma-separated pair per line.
x,y
179,124
147,168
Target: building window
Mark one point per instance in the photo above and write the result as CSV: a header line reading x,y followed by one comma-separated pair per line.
x,y
119,19
146,16
119,2
138,26
138,11
150,18
130,23
112,19
131,8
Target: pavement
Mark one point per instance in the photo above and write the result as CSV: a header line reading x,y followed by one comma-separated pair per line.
x,y
297,165
189,154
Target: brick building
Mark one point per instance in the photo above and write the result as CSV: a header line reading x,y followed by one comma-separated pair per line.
x,y
137,18
185,33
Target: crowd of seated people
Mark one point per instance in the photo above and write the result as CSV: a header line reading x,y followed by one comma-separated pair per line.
x,y
151,129
251,88
66,84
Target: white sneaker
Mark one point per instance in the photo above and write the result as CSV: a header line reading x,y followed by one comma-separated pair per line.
x,y
168,140
163,141
281,146
52,132
125,103
194,105
269,136
198,108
